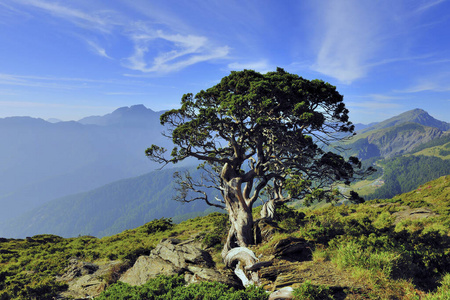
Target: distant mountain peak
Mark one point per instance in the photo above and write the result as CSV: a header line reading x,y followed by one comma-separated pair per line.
x,y
139,107
416,115
133,109
135,115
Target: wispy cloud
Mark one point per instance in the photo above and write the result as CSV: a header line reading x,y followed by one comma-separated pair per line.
x,y
374,101
123,94
158,46
353,37
180,51
427,4
52,82
97,20
348,41
373,105
427,85
97,49
30,104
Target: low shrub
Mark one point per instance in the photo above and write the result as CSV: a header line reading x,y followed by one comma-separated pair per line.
x,y
173,287
443,291
158,225
308,291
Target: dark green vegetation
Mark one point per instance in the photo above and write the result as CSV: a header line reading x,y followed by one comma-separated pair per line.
x,y
405,173
390,253
408,150
168,288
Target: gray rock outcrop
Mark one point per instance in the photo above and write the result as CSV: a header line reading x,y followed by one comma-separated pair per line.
x,y
173,256
86,280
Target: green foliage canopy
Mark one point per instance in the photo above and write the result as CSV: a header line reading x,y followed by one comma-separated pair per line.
x,y
269,125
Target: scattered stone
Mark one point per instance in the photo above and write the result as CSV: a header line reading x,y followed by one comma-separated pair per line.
x,y
86,280
413,214
78,268
147,267
258,265
180,254
295,248
282,294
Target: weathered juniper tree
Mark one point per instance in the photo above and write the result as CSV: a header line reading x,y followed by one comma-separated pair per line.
x,y
260,132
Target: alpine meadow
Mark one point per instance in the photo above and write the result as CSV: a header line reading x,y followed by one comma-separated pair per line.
x,y
217,150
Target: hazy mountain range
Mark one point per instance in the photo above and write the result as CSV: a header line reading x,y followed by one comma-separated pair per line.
x,y
40,161
72,178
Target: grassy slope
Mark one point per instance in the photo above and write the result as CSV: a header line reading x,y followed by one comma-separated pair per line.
x,y
442,151
406,260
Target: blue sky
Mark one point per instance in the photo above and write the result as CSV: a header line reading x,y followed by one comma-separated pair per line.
x,y
71,59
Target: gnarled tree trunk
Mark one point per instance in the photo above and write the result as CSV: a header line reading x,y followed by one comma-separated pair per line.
x,y
241,230
240,216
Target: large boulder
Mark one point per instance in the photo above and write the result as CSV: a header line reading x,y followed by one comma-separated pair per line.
x,y
180,254
87,280
147,267
172,257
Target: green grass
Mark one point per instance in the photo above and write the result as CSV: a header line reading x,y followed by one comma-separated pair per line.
x,y
397,260
441,151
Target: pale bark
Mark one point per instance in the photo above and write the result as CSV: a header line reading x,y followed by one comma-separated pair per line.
x,y
268,210
241,230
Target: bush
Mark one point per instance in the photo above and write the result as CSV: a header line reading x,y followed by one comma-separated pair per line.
x,y
288,218
218,235
308,291
353,254
173,287
212,239
158,225
443,291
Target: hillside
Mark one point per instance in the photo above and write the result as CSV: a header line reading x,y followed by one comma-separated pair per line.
x,y
418,116
396,136
41,161
134,201
107,210
389,249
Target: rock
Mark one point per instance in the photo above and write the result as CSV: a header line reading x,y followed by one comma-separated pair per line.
x,y
298,249
271,273
182,253
171,257
282,294
77,269
413,214
198,274
258,265
86,280
264,229
147,267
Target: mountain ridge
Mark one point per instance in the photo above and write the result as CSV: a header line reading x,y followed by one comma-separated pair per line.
x,y
41,161
416,115
124,144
